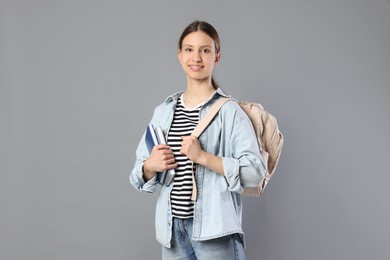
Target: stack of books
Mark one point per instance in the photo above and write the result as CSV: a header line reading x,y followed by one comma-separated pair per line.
x,y
155,136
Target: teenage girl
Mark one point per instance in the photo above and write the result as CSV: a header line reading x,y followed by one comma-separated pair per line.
x,y
200,218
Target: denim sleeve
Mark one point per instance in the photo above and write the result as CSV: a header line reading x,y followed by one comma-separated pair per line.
x,y
136,175
142,153
245,166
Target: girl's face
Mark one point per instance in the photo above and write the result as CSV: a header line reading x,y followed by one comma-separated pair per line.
x,y
197,56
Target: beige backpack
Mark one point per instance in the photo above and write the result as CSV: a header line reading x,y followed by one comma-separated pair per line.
x,y
269,137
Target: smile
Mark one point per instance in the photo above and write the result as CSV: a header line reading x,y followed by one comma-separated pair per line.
x,y
196,67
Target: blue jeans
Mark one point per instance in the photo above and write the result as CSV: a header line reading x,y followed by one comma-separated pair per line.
x,y
182,247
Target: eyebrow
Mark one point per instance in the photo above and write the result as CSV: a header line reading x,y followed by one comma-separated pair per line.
x,y
203,46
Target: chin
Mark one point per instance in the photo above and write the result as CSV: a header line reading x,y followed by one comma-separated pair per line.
x,y
197,76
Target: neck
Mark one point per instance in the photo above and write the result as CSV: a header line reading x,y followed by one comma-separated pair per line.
x,y
197,92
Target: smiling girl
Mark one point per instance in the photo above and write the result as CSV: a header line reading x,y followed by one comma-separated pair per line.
x,y
199,214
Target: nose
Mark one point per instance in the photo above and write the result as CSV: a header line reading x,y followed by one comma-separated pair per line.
x,y
196,57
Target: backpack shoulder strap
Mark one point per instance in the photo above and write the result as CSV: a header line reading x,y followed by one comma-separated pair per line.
x,y
211,113
200,127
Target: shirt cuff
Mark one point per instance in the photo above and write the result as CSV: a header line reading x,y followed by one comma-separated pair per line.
x,y
231,168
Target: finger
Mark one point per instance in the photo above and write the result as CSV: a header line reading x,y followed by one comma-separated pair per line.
x,y
187,137
166,157
161,147
183,150
167,153
186,140
171,166
190,139
171,161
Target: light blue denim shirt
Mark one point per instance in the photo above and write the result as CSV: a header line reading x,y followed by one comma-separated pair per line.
x,y
218,208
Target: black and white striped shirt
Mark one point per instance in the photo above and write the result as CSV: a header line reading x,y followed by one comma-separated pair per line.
x,y
184,121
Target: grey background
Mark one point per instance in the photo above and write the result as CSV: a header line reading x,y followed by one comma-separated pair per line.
x,y
80,79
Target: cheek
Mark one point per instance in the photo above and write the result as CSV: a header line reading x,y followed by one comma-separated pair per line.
x,y
183,59
211,63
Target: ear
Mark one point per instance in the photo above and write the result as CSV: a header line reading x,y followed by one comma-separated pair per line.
x,y
217,57
179,54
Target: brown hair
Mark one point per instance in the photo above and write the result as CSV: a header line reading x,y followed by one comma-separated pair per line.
x,y
207,29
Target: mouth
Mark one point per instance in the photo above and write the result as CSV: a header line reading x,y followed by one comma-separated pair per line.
x,y
196,67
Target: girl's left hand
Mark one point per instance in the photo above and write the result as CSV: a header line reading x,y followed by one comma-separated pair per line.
x,y
190,146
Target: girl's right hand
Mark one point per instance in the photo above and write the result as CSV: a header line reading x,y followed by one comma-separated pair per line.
x,y
161,159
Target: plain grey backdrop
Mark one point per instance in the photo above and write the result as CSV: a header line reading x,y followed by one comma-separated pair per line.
x,y
78,84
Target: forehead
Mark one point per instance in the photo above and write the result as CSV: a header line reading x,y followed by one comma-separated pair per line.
x,y
198,38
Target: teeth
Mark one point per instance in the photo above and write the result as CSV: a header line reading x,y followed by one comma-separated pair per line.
x,y
196,67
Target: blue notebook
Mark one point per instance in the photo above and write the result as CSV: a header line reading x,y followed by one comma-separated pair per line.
x,y
150,138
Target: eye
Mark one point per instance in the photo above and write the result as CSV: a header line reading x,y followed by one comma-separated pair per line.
x,y
187,49
206,50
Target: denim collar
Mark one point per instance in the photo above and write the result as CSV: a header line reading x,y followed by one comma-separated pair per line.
x,y
174,97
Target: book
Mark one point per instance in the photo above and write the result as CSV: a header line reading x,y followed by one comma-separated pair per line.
x,y
170,174
150,138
